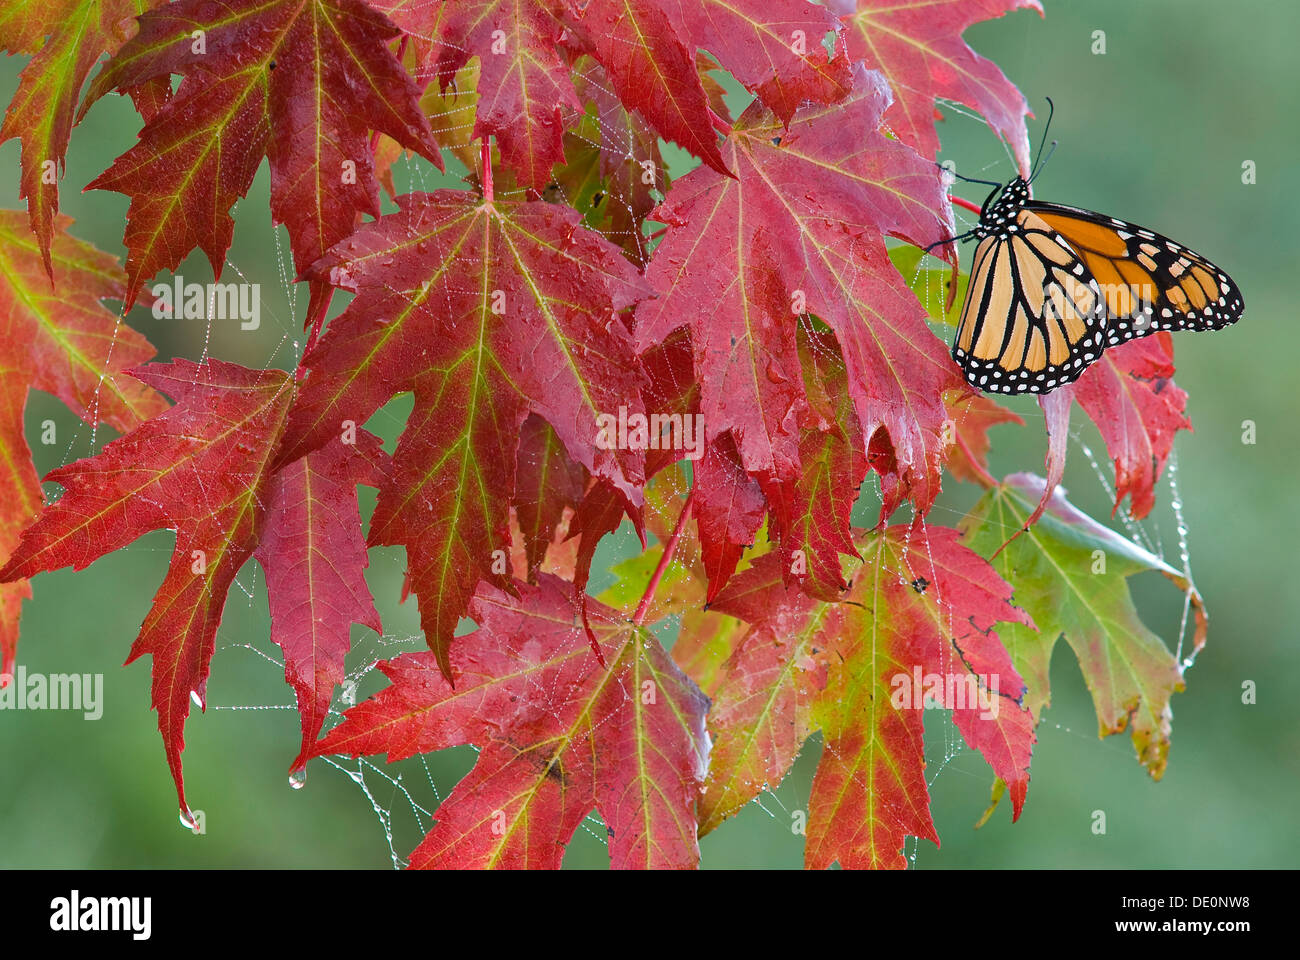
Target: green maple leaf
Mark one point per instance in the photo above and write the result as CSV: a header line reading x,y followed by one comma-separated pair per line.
x,y
1071,575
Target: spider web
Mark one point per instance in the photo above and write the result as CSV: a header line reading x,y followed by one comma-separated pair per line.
x,y
404,797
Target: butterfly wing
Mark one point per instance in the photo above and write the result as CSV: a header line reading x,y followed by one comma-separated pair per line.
x,y
1149,282
1034,316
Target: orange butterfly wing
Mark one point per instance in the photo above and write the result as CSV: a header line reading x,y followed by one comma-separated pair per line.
x,y
1149,282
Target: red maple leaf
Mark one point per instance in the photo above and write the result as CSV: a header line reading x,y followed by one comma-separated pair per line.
x,y
523,84
302,82
800,229
729,509
917,45
202,468
972,415
773,47
314,556
810,515
1129,395
559,733
488,312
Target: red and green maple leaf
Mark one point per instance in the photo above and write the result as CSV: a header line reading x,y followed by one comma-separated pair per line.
x,y
487,312
920,603
617,155
66,38
558,732
60,339
301,82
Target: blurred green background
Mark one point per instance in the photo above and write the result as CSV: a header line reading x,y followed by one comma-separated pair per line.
x,y
1155,130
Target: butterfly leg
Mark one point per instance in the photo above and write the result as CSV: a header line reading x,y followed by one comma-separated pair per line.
x,y
939,243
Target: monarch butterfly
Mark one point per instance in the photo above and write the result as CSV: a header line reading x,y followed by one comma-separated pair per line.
x,y
1053,286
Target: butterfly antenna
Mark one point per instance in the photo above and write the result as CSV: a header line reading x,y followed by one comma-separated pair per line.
x,y
1051,112
1043,165
987,183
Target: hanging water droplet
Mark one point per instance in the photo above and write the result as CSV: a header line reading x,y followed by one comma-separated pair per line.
x,y
188,820
298,778
198,701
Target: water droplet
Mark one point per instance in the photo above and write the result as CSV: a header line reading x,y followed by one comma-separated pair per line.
x,y
188,820
298,778
198,701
